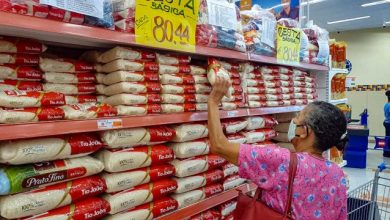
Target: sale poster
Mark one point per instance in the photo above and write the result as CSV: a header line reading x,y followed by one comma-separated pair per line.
x,y
280,8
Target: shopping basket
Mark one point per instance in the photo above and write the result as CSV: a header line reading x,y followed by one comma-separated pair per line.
x,y
371,201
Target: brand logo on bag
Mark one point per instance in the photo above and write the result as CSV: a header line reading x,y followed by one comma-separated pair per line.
x,y
44,179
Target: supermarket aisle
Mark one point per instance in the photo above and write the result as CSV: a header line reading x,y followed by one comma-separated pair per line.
x,y
358,177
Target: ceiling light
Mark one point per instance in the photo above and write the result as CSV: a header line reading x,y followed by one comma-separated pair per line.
x,y
312,2
375,3
346,20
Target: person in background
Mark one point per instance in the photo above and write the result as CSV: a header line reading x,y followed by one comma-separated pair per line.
x,y
386,123
288,11
319,188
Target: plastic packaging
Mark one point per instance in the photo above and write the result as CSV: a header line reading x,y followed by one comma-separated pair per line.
x,y
108,19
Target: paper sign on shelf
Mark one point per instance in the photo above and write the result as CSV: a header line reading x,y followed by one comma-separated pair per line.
x,y
268,32
109,123
288,45
86,7
166,23
222,14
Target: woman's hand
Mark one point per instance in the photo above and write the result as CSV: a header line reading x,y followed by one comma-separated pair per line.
x,y
220,89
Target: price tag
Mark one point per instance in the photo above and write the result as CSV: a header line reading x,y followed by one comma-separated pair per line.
x,y
109,123
169,24
288,45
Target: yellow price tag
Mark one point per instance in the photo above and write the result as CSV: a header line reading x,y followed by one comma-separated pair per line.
x,y
288,42
167,24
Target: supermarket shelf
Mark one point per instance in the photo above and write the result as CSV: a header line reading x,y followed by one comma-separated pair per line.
x,y
80,35
339,101
206,204
41,129
272,60
343,164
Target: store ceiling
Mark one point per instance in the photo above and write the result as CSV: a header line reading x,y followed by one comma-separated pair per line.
x,y
334,10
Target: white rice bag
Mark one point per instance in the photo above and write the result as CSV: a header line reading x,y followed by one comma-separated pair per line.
x,y
229,169
65,66
125,53
255,90
128,65
126,76
259,135
137,136
236,138
80,99
258,122
21,99
189,132
132,158
188,198
131,99
190,167
21,45
25,73
190,149
70,89
173,59
194,182
71,78
232,182
231,126
125,110
132,88
47,149
126,180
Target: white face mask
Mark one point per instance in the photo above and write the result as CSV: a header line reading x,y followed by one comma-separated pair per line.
x,y
291,131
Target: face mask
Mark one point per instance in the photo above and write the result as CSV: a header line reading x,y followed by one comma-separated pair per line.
x,y
291,131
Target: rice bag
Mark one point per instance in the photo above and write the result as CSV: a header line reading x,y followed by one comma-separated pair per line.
x,y
173,69
15,179
188,198
126,180
25,73
147,211
215,70
187,184
71,78
21,99
186,107
46,149
232,182
21,45
65,66
126,54
137,136
127,65
59,14
168,59
50,197
70,89
8,84
209,214
233,98
124,76
189,132
131,99
139,195
132,88
259,135
190,149
80,99
227,208
236,138
258,122
183,79
19,59
125,25
229,169
19,115
229,106
196,165
119,160
231,126
90,208
120,5
256,90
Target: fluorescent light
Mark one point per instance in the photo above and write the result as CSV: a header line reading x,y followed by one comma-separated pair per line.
x,y
349,19
376,3
312,2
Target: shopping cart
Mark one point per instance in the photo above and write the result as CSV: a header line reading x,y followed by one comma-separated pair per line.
x,y
371,201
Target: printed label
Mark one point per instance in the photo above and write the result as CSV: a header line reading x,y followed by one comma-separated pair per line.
x,y
109,123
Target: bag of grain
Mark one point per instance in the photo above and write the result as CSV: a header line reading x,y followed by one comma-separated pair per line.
x,y
65,66
10,71
19,59
80,99
70,89
126,180
259,135
135,110
20,45
229,169
139,195
232,182
196,165
236,138
190,149
118,160
21,99
187,184
14,179
132,88
125,53
188,198
137,136
8,84
127,65
174,69
131,99
168,59
189,132
50,197
47,149
227,208
209,214
19,115
147,211
258,122
125,76
90,208
231,126
71,78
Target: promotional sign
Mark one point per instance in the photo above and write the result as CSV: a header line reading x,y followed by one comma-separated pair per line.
x,y
86,7
167,23
280,8
288,42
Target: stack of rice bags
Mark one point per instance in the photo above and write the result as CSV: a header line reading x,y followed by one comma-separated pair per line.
x,y
77,80
52,177
223,211
223,32
184,87
231,72
284,121
260,130
304,88
137,171
269,86
130,79
124,15
22,96
198,173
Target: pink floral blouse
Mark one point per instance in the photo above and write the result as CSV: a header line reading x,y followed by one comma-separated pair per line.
x,y
319,186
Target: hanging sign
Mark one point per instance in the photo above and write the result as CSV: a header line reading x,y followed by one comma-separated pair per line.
x,y
86,7
169,24
288,42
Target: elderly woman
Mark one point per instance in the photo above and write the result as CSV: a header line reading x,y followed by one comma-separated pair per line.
x,y
319,186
